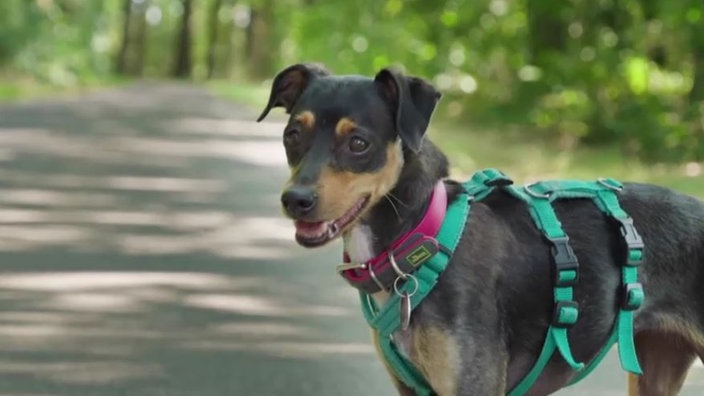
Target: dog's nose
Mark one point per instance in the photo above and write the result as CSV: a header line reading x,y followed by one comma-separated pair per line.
x,y
299,200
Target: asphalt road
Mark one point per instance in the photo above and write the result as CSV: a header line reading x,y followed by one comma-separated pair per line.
x,y
142,252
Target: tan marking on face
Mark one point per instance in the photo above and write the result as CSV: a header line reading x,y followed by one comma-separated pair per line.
x,y
338,191
436,354
307,119
344,126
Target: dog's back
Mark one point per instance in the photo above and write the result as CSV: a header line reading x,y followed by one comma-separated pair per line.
x,y
504,258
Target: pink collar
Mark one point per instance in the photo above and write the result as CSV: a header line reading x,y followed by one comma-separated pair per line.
x,y
408,252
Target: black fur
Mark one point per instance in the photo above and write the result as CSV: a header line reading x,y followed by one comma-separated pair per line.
x,y
495,297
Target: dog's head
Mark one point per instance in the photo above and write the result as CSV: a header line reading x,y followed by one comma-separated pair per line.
x,y
345,142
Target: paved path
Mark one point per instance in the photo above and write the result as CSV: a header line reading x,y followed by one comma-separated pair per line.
x,y
142,252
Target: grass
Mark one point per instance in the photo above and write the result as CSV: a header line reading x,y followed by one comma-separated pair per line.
x,y
522,156
17,88
253,96
526,159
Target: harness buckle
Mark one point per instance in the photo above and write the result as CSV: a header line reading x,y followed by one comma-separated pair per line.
x,y
566,262
565,314
633,296
630,234
633,240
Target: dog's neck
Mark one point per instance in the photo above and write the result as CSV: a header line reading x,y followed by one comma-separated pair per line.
x,y
402,208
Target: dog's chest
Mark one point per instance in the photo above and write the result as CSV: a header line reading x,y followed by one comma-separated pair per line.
x,y
359,246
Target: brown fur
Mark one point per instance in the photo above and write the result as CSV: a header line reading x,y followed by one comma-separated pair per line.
x,y
340,190
665,359
344,126
685,330
436,353
307,119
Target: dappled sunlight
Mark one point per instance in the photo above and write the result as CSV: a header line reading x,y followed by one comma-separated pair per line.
x,y
262,306
88,372
226,127
105,280
296,350
161,184
134,242
54,198
96,302
270,330
250,151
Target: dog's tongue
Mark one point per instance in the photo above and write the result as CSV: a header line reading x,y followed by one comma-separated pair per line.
x,y
311,229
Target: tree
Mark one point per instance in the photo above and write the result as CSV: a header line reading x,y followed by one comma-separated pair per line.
x,y
213,25
121,63
260,33
182,65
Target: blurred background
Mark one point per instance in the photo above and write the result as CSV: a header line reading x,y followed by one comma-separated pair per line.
x,y
142,250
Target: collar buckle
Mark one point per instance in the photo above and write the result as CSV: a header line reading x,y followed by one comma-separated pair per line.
x,y
350,266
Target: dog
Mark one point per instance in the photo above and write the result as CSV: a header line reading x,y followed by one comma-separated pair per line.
x,y
363,169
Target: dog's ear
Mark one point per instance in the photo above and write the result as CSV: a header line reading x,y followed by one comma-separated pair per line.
x,y
413,101
289,84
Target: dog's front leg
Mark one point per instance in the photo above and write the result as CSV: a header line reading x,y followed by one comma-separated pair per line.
x,y
402,389
483,371
471,364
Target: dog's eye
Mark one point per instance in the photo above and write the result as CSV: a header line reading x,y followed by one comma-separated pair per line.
x,y
292,137
358,145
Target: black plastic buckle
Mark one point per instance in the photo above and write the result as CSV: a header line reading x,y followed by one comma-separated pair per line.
x,y
630,234
565,314
565,260
633,240
632,297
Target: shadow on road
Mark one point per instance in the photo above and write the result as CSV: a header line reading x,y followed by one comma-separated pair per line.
x,y
143,252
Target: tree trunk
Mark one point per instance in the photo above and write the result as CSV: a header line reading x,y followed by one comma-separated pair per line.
x,y
213,27
696,34
547,32
121,63
182,65
260,40
140,40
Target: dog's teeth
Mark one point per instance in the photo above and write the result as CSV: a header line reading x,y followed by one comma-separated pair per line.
x,y
332,230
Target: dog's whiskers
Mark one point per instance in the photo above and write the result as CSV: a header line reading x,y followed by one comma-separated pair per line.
x,y
393,206
398,200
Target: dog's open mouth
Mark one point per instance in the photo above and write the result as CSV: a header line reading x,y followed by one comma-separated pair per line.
x,y
313,234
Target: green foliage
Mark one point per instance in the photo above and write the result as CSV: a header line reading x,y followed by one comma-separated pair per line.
x,y
624,72
575,71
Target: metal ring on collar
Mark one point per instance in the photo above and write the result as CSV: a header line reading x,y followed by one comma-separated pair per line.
x,y
395,266
415,285
604,183
527,189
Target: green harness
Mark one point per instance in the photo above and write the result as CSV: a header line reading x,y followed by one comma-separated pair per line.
x,y
538,198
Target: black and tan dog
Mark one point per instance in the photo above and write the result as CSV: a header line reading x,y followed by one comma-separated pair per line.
x,y
362,169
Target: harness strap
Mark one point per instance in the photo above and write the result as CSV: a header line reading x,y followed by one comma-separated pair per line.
x,y
538,197
603,194
385,320
566,310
